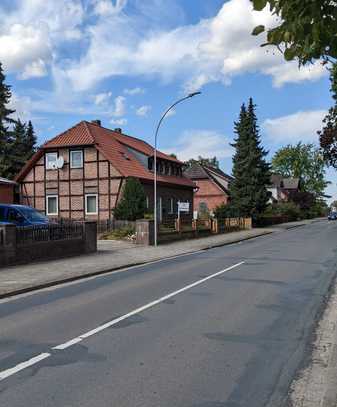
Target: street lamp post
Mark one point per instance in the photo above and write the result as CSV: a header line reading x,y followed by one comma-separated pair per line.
x,y
155,160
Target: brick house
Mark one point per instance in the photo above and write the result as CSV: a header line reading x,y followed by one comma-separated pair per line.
x,y
7,191
212,184
80,174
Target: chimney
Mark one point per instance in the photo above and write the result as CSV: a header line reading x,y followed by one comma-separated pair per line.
x,y
118,130
97,122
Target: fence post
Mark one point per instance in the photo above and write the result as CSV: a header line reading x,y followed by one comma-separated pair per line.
x,y
215,226
145,232
8,254
90,236
178,225
248,223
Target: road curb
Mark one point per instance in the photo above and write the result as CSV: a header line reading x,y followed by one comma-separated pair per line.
x,y
55,283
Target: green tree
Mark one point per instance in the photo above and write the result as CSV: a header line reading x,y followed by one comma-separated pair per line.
x,y
328,135
132,206
210,162
17,149
5,121
304,161
30,141
248,191
306,29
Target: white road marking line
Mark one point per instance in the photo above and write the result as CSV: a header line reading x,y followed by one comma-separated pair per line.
x,y
67,344
9,372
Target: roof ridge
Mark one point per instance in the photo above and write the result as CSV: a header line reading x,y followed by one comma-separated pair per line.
x,y
67,131
88,130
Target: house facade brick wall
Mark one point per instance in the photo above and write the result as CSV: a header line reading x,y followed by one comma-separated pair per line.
x,y
210,194
71,186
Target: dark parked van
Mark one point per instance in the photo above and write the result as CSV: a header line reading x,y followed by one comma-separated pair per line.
x,y
21,215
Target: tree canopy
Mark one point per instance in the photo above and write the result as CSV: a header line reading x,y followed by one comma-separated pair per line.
x,y
17,140
248,191
210,162
306,30
328,135
304,161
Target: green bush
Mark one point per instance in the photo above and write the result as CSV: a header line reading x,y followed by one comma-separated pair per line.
x,y
124,233
280,212
224,211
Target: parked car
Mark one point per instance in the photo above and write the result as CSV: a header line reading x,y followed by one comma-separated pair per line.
x,y
332,216
21,215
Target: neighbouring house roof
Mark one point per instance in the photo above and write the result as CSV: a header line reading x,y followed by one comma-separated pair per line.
x,y
115,147
7,181
278,181
199,171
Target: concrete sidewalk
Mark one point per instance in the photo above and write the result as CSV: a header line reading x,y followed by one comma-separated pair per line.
x,y
113,255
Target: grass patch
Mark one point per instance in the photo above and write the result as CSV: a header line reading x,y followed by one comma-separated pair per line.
x,y
126,233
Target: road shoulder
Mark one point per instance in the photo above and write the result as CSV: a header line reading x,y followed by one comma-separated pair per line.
x,y
316,383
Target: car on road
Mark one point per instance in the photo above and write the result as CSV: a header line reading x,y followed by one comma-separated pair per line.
x,y
21,215
332,216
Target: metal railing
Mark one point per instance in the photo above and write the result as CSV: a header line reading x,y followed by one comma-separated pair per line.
x,y
50,232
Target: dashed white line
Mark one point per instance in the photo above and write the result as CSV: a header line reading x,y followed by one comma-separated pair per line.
x,y
9,372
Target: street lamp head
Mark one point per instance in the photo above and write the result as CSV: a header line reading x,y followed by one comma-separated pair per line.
x,y
194,94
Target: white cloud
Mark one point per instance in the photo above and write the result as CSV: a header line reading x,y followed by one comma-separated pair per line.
x,y
106,8
119,107
102,98
25,49
31,31
171,113
119,122
36,69
134,91
214,49
299,126
22,107
205,143
143,111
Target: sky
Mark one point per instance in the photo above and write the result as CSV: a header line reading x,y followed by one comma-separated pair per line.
x,y
125,61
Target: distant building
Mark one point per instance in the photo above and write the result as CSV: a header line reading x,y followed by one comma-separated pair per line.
x,y
80,174
7,191
212,186
281,187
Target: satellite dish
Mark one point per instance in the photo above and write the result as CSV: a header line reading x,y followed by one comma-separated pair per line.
x,y
60,162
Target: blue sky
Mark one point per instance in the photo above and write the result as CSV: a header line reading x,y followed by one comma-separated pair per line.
x,y
125,61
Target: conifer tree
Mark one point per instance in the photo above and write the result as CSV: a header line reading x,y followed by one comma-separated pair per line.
x,y
5,120
18,149
133,203
248,191
30,141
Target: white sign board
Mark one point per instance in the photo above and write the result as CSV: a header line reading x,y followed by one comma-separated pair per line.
x,y
183,206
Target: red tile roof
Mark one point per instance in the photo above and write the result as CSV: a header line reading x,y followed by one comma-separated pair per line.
x,y
114,146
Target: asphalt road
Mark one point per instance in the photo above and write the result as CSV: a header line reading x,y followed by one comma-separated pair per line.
x,y
201,330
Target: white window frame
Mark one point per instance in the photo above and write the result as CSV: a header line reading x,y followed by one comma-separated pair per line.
x,y
71,158
57,205
48,155
86,204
